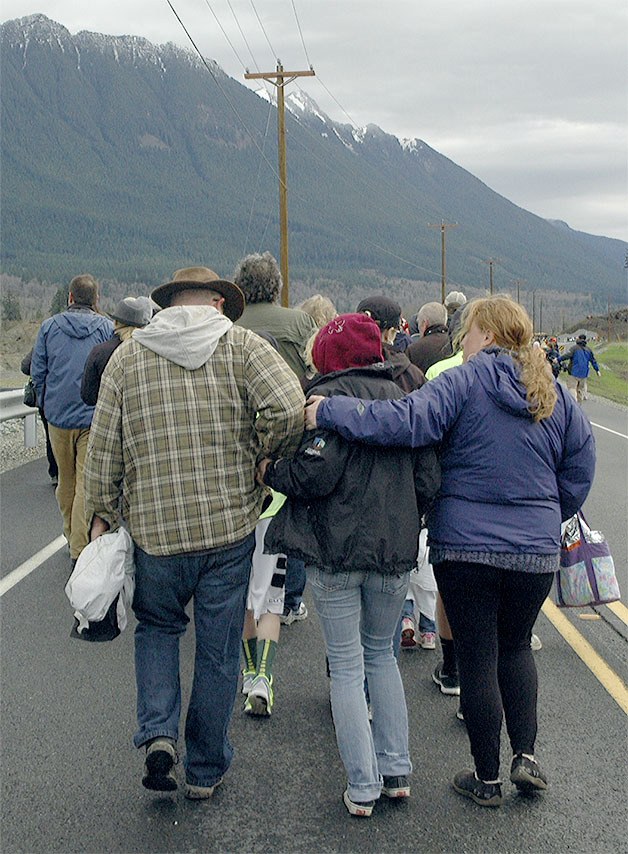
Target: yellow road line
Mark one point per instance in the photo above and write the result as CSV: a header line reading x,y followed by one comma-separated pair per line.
x,y
583,649
619,610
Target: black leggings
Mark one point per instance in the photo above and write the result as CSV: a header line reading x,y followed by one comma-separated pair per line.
x,y
491,612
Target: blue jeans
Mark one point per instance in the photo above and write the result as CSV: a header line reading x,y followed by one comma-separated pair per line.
x,y
358,612
295,584
218,581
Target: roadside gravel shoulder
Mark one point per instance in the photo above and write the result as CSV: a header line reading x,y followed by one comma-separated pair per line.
x,y
12,450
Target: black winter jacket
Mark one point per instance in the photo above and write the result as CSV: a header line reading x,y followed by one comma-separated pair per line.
x,y
352,506
94,367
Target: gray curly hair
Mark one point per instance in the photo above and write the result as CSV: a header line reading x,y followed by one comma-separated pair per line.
x,y
259,278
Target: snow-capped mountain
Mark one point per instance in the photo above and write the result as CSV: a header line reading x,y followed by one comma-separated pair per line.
x,y
132,159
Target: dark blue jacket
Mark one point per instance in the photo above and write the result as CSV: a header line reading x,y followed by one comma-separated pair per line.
x,y
63,344
507,481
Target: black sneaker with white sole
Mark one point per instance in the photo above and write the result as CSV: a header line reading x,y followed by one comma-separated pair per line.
x,y
484,794
161,757
526,775
362,809
396,787
447,683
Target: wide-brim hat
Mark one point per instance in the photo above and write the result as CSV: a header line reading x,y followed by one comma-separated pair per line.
x,y
201,278
133,311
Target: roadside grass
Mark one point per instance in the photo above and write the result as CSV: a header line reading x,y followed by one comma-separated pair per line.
x,y
613,362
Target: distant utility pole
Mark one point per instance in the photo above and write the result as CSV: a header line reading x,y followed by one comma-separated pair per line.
x,y
280,80
541,315
443,262
533,310
518,282
608,312
491,262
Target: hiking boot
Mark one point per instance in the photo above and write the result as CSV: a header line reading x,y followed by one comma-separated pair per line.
x,y
362,809
447,683
261,697
248,677
526,774
295,615
408,640
396,787
161,757
427,640
485,794
200,793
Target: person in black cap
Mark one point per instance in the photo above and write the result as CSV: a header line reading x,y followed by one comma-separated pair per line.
x,y
387,314
130,313
579,358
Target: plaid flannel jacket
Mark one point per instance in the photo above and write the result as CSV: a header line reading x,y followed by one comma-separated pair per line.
x,y
173,451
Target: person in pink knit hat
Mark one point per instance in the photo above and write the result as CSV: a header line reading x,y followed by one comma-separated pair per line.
x,y
353,515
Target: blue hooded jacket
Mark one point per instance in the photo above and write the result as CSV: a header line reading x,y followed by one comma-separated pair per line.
x,y
61,350
579,358
507,481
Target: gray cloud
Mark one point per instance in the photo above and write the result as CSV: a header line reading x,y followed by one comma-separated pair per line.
x,y
529,95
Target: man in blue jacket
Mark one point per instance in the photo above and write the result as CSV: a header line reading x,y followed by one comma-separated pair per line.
x,y
579,358
62,347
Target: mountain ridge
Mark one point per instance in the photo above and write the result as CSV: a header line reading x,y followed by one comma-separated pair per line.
x,y
124,154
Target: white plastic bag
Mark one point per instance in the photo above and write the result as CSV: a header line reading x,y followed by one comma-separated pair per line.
x,y
103,570
422,582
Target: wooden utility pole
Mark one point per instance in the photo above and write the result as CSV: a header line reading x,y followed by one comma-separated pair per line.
x,y
490,263
533,310
518,282
541,315
443,260
280,80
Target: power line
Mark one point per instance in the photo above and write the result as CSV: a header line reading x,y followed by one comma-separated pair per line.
x,y
224,32
227,98
235,18
259,20
333,97
259,170
294,9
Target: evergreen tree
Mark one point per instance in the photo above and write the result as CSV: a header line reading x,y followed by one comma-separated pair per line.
x,y
10,307
60,300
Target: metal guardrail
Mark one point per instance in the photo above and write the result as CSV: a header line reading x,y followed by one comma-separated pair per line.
x,y
12,406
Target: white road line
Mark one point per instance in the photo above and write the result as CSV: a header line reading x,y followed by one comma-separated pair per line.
x,y
608,430
29,565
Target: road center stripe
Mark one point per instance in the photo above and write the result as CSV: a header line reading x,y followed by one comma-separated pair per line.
x,y
583,649
31,564
619,610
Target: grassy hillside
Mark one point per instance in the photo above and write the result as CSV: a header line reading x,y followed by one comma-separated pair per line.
x,y
613,362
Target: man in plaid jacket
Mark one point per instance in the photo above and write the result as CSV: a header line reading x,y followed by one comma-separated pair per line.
x,y
186,408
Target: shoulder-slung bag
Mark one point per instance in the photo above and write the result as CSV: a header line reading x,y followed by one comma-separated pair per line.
x,y
587,572
30,395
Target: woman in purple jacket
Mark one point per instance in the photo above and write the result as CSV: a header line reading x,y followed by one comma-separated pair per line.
x,y
517,458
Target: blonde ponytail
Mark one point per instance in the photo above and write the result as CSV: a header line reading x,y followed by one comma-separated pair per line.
x,y
512,329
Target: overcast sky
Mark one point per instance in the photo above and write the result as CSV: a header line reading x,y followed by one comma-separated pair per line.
x,y
528,95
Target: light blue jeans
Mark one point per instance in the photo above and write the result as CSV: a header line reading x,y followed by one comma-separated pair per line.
x,y
218,582
358,612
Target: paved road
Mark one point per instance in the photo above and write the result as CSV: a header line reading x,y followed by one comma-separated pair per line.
x,y
71,780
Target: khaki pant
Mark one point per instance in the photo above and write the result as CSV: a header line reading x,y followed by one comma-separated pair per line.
x,y
578,387
69,448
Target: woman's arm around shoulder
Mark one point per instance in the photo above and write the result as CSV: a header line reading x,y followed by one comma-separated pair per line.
x,y
418,419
